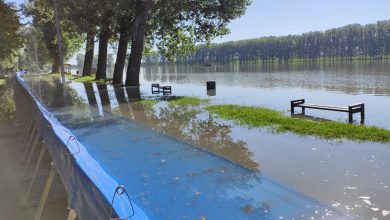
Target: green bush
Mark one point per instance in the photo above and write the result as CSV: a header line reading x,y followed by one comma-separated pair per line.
x,y
7,105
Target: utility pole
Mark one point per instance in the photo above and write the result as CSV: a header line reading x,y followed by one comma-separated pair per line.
x,y
59,39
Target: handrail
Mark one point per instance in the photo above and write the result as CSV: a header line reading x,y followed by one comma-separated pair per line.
x,y
120,190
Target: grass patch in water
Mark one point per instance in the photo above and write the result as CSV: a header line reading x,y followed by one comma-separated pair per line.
x,y
81,79
149,103
187,101
276,121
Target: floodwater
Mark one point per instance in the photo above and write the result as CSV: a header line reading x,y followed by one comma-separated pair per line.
x,y
348,177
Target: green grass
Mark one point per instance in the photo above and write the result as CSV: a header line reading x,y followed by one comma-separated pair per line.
x,y
82,79
2,82
276,121
149,103
7,105
187,101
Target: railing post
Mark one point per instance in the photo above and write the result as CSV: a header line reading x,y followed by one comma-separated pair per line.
x,y
34,176
45,193
292,107
350,114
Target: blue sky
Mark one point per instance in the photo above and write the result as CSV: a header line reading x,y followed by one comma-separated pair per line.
x,y
283,17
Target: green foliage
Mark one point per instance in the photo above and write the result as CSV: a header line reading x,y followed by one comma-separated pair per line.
x,y
181,101
10,38
44,21
7,105
177,26
370,41
35,54
276,121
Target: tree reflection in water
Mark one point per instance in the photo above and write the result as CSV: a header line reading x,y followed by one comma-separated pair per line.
x,y
187,124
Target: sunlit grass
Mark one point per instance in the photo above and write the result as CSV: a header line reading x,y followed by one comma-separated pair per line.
x,y
2,82
187,101
277,122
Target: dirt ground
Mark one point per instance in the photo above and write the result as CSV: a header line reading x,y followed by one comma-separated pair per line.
x,y
14,185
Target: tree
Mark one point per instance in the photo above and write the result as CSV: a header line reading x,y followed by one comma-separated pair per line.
x,y
83,16
34,55
123,20
177,24
43,20
11,39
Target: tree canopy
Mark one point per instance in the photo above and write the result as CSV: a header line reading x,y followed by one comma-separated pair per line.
x,y
43,19
11,40
172,26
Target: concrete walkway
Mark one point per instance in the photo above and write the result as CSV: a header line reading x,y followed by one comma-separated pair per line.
x,y
13,187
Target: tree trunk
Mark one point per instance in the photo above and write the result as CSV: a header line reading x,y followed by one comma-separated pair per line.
x,y
56,67
101,72
89,50
121,56
137,46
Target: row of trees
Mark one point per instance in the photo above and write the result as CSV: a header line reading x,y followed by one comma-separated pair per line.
x,y
172,26
11,41
364,42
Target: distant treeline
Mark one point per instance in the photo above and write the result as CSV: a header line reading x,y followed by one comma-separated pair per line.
x,y
353,41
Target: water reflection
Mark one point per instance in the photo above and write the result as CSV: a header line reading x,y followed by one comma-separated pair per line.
x,y
350,78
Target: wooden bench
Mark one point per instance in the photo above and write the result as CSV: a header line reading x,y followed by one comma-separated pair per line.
x,y
157,89
351,109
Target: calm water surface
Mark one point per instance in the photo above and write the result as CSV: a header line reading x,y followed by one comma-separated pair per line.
x,y
348,176
340,84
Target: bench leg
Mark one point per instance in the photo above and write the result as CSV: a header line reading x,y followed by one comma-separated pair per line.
x,y
303,110
292,109
362,117
350,117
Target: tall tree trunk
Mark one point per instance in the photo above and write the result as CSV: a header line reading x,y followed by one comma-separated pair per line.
x,y
137,46
101,72
55,67
89,50
121,55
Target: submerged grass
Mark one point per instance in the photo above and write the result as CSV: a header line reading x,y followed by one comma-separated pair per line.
x,y
81,79
149,103
187,101
276,121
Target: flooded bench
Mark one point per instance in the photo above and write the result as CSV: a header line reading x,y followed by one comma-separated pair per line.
x,y
157,89
351,109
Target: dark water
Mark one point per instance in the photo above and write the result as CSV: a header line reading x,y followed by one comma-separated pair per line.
x,y
348,176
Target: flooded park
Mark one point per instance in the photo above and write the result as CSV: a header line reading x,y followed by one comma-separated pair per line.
x,y
328,178
194,110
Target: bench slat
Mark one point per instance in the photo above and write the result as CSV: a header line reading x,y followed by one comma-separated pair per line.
x,y
325,107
